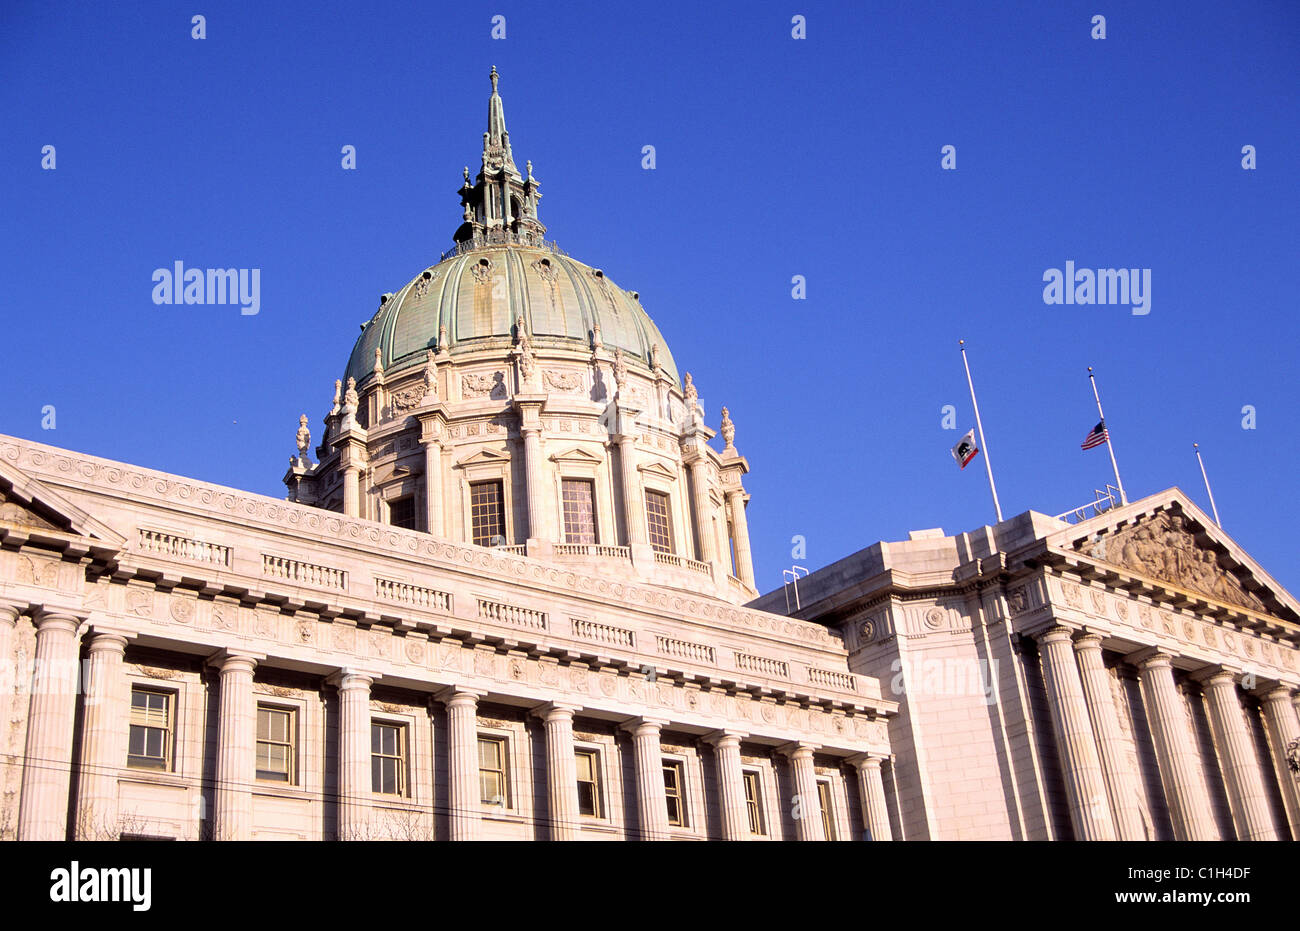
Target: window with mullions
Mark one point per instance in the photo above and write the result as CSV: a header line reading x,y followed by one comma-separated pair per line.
x,y
150,738
487,513
753,803
657,523
675,793
494,787
824,803
388,758
401,512
579,500
276,735
589,801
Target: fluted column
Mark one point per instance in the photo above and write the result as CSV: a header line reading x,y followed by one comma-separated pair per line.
x,y
731,786
236,749
633,501
462,741
355,784
433,488
1120,787
808,823
1185,794
740,535
104,730
561,771
652,802
47,758
537,511
1237,760
9,614
1085,788
871,787
351,491
703,515
1283,727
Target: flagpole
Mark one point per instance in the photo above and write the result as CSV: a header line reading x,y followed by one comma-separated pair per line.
x,y
1123,498
1213,507
988,465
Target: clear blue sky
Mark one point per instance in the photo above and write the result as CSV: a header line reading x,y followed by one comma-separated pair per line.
x,y
775,157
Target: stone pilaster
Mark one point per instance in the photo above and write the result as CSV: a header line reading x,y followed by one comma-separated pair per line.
x,y
47,758
462,742
740,536
104,729
236,748
633,501
703,512
1283,728
351,491
9,614
731,785
1185,794
1237,761
537,523
807,805
354,754
1120,786
433,520
561,771
871,787
652,803
1085,787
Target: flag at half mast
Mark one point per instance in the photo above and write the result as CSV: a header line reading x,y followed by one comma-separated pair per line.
x,y
1097,437
965,449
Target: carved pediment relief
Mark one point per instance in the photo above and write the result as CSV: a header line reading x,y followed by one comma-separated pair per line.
x,y
13,511
577,456
483,457
1164,547
26,502
657,469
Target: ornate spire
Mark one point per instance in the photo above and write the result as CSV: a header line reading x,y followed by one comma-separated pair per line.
x,y
500,201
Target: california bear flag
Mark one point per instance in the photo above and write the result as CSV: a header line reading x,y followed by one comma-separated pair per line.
x,y
965,449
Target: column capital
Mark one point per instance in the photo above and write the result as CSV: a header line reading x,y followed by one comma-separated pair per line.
x,y
868,760
225,659
1215,675
1274,691
100,640
725,736
798,749
637,726
10,612
50,617
555,709
1087,640
350,677
1057,633
455,696
1151,658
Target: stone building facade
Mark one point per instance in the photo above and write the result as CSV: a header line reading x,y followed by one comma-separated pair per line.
x,y
510,595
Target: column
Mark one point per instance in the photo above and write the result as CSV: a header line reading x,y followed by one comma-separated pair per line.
x,y
652,803
731,786
808,820
1283,728
871,786
433,488
561,771
740,533
354,754
1185,794
703,513
1237,761
47,758
1120,786
9,614
104,728
236,749
1085,788
462,740
633,502
537,523
351,491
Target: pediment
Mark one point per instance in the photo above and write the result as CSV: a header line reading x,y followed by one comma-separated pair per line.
x,y
29,505
483,456
576,455
657,469
1168,539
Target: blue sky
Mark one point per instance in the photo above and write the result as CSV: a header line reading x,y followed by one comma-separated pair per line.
x,y
775,158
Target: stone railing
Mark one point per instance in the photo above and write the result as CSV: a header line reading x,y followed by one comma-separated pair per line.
x,y
843,681
696,566
499,237
158,543
305,573
602,633
773,668
684,649
592,549
414,595
515,616
514,549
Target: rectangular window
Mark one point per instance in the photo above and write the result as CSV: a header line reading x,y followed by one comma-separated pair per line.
x,y
675,793
589,801
579,500
401,512
657,523
824,802
388,758
487,513
753,803
150,739
276,736
494,787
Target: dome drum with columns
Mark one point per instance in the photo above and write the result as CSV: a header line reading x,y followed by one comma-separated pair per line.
x,y
512,396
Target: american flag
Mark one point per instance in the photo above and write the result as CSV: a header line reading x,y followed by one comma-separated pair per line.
x,y
1097,437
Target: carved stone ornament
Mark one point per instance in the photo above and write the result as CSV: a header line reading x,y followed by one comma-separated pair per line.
x,y
477,385
408,398
1163,547
867,631
1017,600
482,270
934,618
568,382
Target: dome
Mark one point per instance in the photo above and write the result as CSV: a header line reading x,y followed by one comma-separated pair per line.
x,y
480,293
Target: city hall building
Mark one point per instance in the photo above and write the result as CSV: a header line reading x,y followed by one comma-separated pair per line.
x,y
510,596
